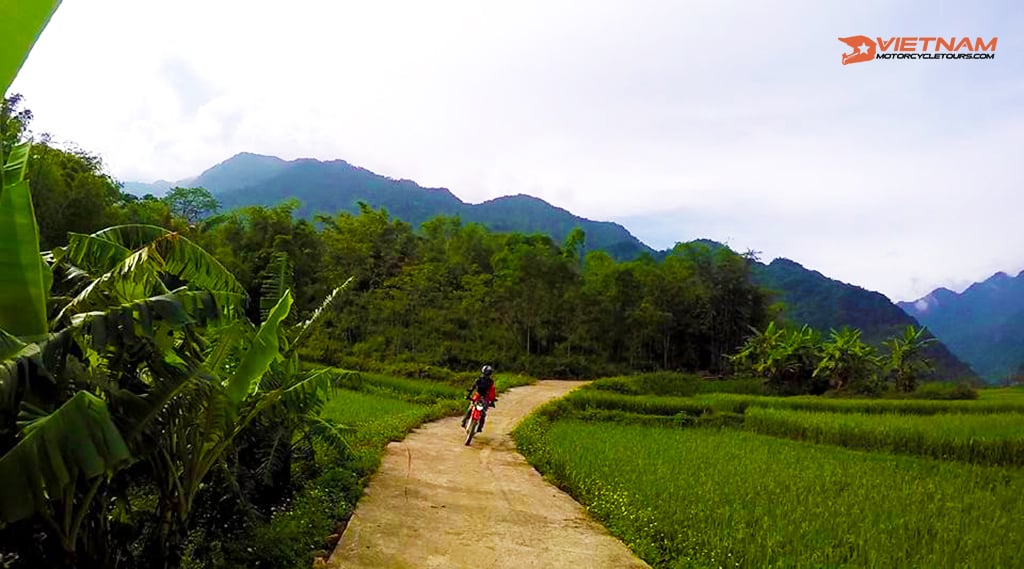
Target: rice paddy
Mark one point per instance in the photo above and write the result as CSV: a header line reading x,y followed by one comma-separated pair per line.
x,y
793,482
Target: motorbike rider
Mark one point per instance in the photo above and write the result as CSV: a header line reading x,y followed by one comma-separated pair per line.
x,y
483,387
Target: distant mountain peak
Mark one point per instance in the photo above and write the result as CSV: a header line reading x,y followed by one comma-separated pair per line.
x,y
518,198
984,325
784,262
248,155
998,278
241,170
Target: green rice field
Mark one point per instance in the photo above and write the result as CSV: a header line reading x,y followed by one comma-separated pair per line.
x,y
792,482
725,498
996,439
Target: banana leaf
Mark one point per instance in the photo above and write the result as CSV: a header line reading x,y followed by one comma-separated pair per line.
x,y
22,282
92,254
265,349
20,26
275,282
12,348
78,440
300,330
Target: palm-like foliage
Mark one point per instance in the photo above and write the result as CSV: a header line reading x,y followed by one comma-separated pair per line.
x,y
146,362
785,358
40,475
137,353
294,424
22,271
20,28
180,397
847,361
906,363
131,262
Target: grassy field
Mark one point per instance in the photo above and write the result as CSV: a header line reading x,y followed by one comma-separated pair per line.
x,y
738,403
994,439
1004,394
725,498
676,384
921,483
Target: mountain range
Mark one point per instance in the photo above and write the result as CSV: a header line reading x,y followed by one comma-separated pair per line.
x,y
332,186
335,185
984,324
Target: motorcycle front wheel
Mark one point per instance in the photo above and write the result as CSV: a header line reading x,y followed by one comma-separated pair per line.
x,y
470,430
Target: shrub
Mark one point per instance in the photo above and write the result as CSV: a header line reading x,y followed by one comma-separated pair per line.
x,y
944,390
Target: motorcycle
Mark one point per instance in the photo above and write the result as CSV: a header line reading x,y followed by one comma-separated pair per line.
x,y
478,408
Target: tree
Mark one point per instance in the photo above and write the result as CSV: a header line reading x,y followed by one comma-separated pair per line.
x,y
70,193
191,203
574,247
907,364
787,359
848,362
14,121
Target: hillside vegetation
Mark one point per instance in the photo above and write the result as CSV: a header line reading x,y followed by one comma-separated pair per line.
x,y
336,186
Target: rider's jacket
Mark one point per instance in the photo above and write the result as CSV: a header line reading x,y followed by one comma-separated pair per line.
x,y
484,385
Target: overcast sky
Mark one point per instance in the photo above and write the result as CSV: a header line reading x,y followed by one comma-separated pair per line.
x,y
730,120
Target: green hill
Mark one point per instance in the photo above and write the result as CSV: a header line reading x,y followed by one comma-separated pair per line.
x,y
336,185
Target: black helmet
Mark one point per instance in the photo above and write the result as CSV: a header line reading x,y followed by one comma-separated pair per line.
x,y
487,370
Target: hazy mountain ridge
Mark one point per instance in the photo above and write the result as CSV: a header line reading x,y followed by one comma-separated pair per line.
x,y
240,171
157,188
336,185
984,324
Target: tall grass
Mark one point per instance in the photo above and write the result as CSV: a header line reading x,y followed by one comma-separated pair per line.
x,y
979,439
738,403
376,419
676,384
584,399
423,391
1004,394
726,498
591,399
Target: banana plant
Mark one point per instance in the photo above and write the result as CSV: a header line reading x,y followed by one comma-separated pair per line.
x,y
249,374
847,361
785,358
125,334
294,425
906,363
124,340
22,273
